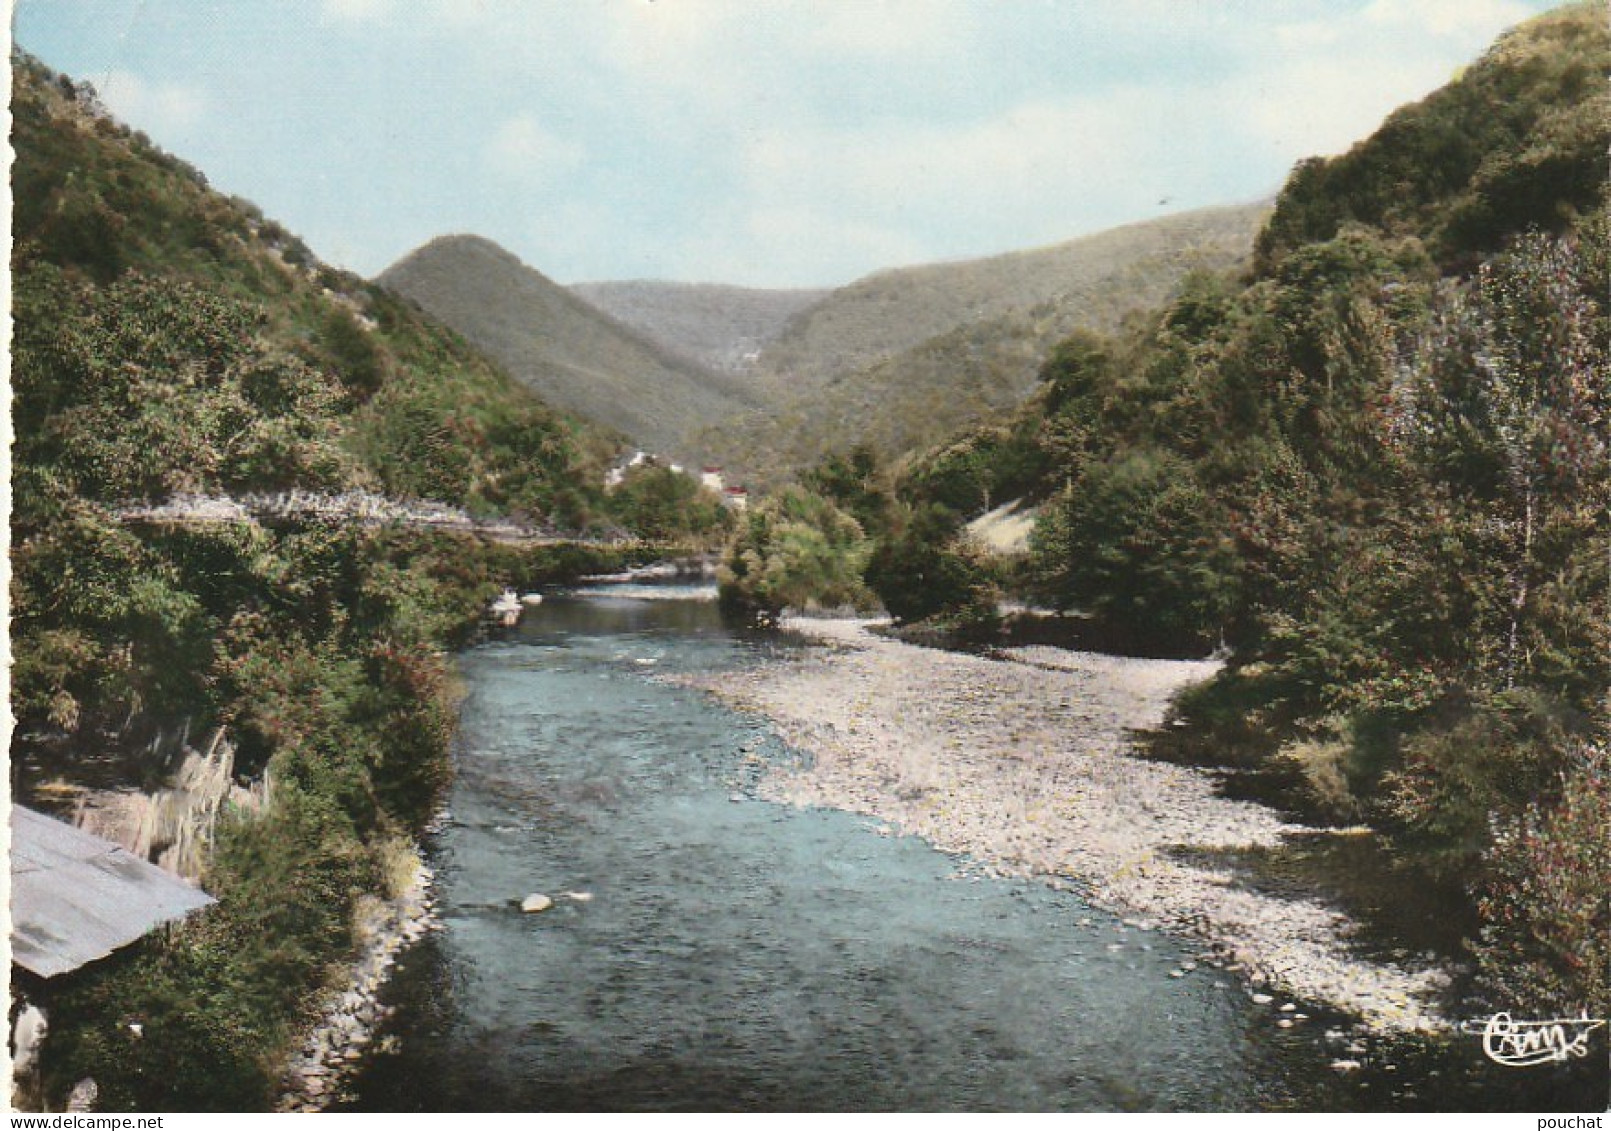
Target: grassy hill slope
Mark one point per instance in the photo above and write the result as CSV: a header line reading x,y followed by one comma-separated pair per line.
x,y
1106,275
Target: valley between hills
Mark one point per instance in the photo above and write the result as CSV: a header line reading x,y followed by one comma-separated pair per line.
x,y
769,383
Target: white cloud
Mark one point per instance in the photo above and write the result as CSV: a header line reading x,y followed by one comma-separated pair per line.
x,y
1478,19
1321,107
525,148
691,55
834,191
816,140
161,108
824,245
1334,79
1041,172
722,60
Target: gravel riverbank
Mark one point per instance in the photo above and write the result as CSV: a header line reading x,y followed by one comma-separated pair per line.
x,y
1024,763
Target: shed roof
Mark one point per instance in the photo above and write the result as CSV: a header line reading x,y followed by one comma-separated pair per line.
x,y
76,897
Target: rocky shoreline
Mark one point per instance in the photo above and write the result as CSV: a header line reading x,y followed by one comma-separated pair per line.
x,y
335,1045
1024,762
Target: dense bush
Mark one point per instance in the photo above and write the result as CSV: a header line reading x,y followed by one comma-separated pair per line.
x,y
855,483
1546,946
218,999
796,550
658,503
1137,542
919,570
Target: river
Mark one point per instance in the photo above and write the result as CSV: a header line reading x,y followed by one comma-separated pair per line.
x,y
710,951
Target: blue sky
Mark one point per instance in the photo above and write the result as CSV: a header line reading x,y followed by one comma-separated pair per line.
x,y
762,142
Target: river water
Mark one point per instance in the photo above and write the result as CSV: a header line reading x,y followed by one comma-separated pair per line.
x,y
730,954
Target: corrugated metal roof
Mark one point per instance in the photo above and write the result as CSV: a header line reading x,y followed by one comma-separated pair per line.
x,y
76,897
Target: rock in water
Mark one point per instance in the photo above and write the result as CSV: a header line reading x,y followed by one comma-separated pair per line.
x,y
535,902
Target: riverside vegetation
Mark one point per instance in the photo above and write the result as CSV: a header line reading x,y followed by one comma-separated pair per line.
x,y
1371,469
171,341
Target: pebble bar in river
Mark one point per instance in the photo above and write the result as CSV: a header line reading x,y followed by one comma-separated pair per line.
x,y
1024,762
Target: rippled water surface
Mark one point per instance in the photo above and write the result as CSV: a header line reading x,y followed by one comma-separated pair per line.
x,y
736,954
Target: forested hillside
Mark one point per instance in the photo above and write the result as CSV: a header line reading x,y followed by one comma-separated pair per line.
x,y
1107,275
193,344
1375,473
568,352
169,340
901,359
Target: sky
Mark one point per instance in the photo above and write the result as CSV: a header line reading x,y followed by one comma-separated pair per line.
x,y
759,142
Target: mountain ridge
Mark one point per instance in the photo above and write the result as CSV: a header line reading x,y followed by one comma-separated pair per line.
x,y
900,395
920,301
572,354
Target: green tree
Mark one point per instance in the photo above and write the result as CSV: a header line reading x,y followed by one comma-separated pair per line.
x,y
853,481
1508,416
1140,546
796,550
1546,945
663,505
918,570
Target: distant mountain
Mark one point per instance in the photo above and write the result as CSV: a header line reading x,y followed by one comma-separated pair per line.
x,y
767,381
569,352
904,358
722,327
